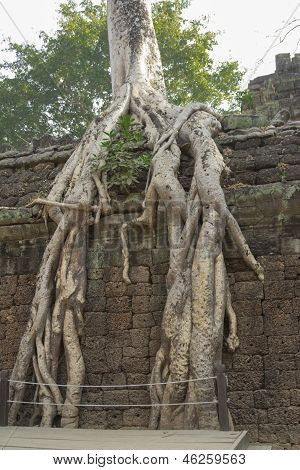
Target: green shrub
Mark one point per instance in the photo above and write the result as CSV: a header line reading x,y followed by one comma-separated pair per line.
x,y
122,156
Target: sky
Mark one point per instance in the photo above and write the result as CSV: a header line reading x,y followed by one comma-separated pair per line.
x,y
247,28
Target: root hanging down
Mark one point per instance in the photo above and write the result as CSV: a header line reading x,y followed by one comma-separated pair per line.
x,y
198,295
197,286
56,318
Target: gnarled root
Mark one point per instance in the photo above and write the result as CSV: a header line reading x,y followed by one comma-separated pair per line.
x,y
56,313
197,285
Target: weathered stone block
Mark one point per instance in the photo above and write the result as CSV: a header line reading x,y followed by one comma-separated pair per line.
x,y
253,345
138,378
281,380
242,362
136,418
157,302
160,269
241,400
245,276
250,326
247,308
140,304
267,176
135,365
114,419
114,379
95,288
114,359
251,380
155,332
143,351
95,323
277,307
295,397
283,344
140,337
115,397
118,305
115,289
139,397
139,274
286,415
248,290
294,433
280,361
96,273
140,289
143,320
158,279
95,420
244,416
271,398
278,325
119,321
280,290
118,338
273,433
272,263
112,274
24,295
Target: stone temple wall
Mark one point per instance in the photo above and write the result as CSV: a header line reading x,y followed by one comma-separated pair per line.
x,y
123,322
271,93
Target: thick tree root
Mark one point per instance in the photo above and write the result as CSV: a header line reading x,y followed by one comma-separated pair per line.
x,y
57,308
198,291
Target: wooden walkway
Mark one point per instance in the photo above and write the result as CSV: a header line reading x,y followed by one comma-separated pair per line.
x,y
129,439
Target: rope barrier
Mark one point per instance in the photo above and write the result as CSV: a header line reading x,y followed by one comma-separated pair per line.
x,y
114,386
88,405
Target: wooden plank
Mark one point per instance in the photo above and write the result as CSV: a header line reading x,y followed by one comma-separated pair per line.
x,y
82,439
242,441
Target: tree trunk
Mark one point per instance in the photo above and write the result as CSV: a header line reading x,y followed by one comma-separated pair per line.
x,y
198,292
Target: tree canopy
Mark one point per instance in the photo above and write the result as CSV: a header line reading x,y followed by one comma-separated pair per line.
x,y
57,86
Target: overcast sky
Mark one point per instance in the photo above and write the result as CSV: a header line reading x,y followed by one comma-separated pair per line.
x,y
247,27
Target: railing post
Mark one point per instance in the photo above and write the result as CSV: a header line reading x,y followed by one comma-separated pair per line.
x,y
222,397
4,396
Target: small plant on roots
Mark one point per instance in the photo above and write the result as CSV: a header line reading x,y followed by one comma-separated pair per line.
x,y
122,157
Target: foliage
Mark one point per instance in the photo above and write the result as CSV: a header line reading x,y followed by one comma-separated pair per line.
x,y
189,70
245,100
119,157
58,86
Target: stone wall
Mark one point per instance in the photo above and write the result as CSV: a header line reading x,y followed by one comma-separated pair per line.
x,y
270,93
123,322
